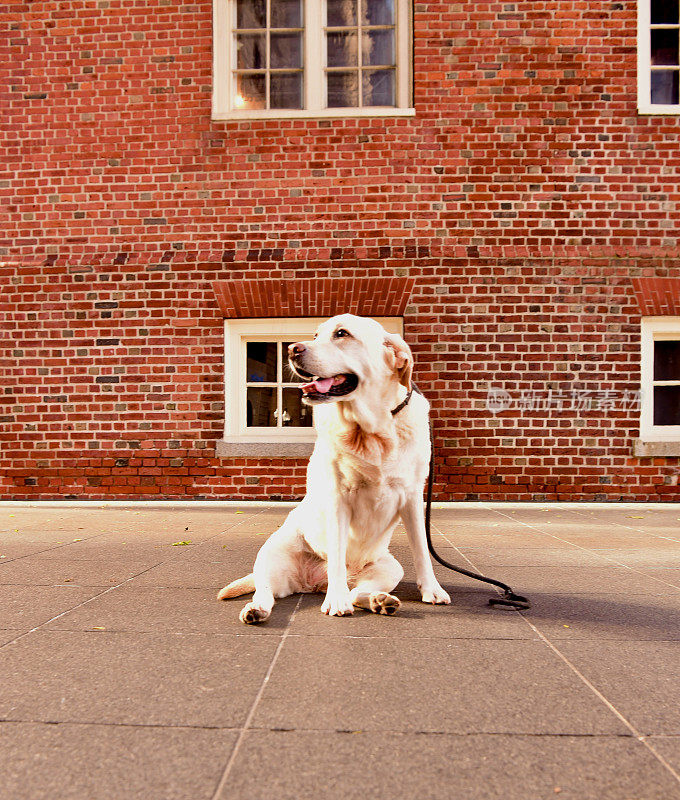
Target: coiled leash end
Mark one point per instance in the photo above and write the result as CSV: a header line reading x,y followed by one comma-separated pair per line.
x,y
510,599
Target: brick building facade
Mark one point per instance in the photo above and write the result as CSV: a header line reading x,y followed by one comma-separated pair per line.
x,y
529,210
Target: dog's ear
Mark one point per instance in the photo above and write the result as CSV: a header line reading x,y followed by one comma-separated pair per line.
x,y
402,357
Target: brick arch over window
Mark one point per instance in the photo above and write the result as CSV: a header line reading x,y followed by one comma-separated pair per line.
x,y
657,297
313,297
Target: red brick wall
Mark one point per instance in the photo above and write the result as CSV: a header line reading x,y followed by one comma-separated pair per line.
x,y
523,198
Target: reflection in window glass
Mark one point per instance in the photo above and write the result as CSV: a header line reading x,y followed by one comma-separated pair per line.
x,y
286,14
378,87
377,12
665,12
378,48
666,360
665,87
285,50
341,13
295,414
342,49
664,47
667,405
251,91
261,407
373,27
261,362
268,37
251,51
286,90
251,13
343,89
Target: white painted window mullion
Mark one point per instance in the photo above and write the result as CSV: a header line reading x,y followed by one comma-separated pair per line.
x,y
314,15
403,44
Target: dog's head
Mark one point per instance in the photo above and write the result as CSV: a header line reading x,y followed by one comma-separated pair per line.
x,y
350,356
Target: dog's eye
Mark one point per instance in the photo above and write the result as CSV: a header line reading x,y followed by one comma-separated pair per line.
x,y
340,333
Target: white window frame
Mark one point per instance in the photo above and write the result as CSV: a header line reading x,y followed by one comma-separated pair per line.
x,y
655,329
644,66
313,69
237,332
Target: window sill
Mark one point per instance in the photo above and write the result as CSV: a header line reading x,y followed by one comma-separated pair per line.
x,y
268,449
325,113
655,449
658,110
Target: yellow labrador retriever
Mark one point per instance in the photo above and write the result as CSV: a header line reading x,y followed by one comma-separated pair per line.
x,y
367,470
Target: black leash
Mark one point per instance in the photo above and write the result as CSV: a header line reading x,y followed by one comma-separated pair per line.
x,y
509,597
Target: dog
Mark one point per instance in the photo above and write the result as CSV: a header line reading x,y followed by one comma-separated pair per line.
x,y
367,471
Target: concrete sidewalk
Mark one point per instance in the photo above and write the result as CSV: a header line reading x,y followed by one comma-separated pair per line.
x,y
123,677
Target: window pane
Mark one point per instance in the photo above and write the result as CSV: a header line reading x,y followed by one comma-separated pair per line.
x,y
378,48
251,13
667,405
667,361
377,12
664,11
251,51
378,87
295,414
342,49
664,47
261,408
664,87
285,91
342,89
250,91
261,362
286,14
341,13
285,50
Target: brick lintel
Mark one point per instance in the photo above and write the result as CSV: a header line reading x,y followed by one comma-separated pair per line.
x,y
657,297
382,296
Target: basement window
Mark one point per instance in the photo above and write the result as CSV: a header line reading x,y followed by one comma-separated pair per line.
x,y
264,414
660,389
311,58
659,56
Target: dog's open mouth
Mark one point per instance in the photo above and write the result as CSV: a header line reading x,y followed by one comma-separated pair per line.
x,y
326,388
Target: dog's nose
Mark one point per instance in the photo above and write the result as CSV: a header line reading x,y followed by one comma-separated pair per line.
x,y
296,349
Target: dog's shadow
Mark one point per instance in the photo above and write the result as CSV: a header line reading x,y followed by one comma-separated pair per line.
x,y
570,615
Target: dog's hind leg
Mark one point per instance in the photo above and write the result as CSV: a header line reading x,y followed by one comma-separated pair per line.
x,y
372,586
275,576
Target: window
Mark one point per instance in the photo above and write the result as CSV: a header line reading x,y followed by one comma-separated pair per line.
x,y
262,395
660,415
658,56
311,58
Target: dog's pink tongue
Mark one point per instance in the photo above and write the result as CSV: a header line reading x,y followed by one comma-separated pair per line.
x,y
321,385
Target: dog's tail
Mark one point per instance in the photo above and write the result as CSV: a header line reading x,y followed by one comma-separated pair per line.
x,y
237,588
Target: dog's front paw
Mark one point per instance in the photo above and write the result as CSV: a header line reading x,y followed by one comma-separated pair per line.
x,y
435,595
251,614
337,605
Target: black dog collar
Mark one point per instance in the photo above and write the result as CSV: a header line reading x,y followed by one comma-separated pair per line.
x,y
403,403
